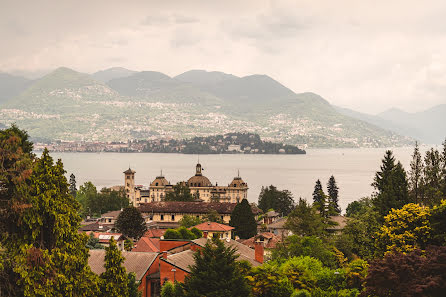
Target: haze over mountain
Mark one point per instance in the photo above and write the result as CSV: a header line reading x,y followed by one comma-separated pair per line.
x,y
427,126
69,105
11,86
112,73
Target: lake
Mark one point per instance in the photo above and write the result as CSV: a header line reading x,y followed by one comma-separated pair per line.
x,y
353,169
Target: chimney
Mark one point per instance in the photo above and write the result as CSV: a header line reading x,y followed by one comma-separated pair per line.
x,y
258,251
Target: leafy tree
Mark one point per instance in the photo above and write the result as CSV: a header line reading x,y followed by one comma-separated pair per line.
x,y
359,207
333,191
319,198
437,223
271,198
128,244
267,281
170,289
197,232
305,221
416,175
93,243
87,193
391,186
51,256
216,273
16,159
172,234
294,246
183,233
114,281
213,216
404,229
190,221
433,178
409,275
242,219
181,192
356,272
131,223
73,188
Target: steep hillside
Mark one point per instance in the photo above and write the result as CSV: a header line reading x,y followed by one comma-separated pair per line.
x,y
203,77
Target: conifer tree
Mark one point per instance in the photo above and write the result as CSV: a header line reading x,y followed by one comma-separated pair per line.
x,y
131,223
73,189
51,255
305,221
416,175
433,177
333,200
391,186
216,273
319,198
271,198
242,219
114,281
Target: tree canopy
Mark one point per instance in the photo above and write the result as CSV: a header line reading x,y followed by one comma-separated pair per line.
x,y
305,221
181,192
272,198
131,223
242,219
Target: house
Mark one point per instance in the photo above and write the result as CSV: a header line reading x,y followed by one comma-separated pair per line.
x,y
150,241
104,238
267,239
339,223
144,265
270,217
173,211
211,229
278,228
109,218
96,227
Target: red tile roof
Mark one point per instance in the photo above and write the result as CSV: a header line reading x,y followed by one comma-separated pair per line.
x,y
269,240
154,233
213,227
146,244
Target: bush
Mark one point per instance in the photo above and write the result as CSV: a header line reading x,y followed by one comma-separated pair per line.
x,y
172,234
301,293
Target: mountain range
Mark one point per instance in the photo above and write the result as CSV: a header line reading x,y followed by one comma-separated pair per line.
x,y
121,104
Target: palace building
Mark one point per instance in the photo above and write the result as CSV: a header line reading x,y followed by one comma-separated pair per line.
x,y
199,185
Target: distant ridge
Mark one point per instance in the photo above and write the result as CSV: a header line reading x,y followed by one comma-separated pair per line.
x,y
11,86
69,105
112,73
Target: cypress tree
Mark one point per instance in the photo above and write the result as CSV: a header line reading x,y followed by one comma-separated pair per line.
x,y
333,191
242,219
433,177
416,175
216,273
131,223
73,189
114,281
319,198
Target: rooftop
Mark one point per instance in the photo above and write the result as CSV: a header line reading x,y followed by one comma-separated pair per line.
x,y
213,227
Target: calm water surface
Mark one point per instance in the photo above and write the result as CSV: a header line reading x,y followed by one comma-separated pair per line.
x,y
353,169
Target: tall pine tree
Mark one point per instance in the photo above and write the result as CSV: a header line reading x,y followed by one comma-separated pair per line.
x,y
333,200
242,219
391,186
433,177
416,175
114,280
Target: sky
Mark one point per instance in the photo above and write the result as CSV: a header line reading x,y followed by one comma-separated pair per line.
x,y
365,55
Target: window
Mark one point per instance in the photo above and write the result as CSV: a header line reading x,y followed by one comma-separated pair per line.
x,y
173,217
162,217
109,220
156,184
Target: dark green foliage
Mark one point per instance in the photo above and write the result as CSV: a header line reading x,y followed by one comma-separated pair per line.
x,y
95,204
190,221
181,192
73,188
242,219
114,281
294,246
409,275
391,186
438,224
93,243
305,221
271,198
359,207
433,178
128,244
170,289
183,233
320,199
216,273
333,199
132,286
131,223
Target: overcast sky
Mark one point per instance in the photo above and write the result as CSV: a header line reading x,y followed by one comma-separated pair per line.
x,y
365,55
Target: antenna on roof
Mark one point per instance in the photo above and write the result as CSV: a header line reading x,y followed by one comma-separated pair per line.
x,y
238,172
